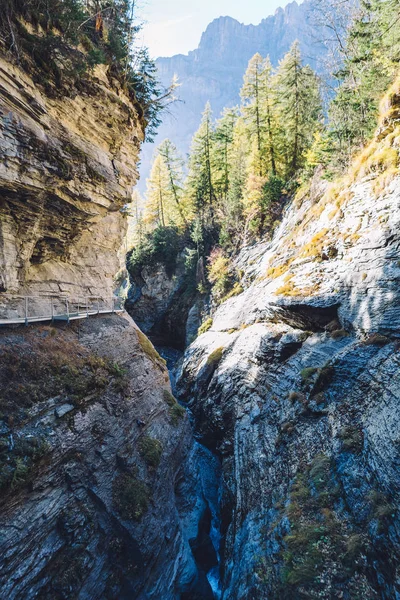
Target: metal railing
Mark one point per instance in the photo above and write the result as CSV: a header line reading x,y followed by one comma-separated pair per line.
x,y
31,309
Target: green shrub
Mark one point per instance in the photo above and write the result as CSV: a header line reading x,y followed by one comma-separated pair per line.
x,y
17,464
205,326
131,496
272,191
116,369
320,471
151,450
161,246
325,376
382,509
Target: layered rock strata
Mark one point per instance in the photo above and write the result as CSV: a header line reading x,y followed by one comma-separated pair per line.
x,y
67,166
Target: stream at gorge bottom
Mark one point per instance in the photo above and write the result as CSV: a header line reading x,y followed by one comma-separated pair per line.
x,y
206,546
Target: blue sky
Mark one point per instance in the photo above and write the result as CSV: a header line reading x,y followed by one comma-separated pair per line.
x,y
175,26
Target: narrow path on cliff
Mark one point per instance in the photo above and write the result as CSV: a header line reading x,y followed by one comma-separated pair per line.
x,y
38,309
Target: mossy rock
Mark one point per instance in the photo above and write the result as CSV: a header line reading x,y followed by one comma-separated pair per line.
x,y
149,349
131,496
151,450
176,411
214,358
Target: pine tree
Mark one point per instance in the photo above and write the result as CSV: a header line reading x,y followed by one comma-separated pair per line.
x,y
200,182
222,150
175,165
300,108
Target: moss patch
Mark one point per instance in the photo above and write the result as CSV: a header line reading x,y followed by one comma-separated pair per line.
x,y
214,358
151,450
176,411
205,326
149,349
131,496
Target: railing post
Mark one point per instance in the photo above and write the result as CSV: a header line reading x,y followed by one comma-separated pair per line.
x,y
26,310
113,304
87,307
52,309
98,306
67,305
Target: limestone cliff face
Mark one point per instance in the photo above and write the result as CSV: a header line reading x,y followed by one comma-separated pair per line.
x,y
67,165
296,386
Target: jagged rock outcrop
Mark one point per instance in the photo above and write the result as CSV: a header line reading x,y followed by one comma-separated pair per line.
x,y
100,494
67,165
296,386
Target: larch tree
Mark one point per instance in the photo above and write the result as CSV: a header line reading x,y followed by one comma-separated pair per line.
x,y
160,208
268,113
200,181
175,166
300,108
222,150
251,94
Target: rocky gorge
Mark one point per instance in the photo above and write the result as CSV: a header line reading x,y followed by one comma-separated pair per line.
x,y
276,475
294,386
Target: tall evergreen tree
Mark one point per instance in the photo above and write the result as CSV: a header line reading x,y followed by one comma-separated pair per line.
x,y
222,151
200,183
300,108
